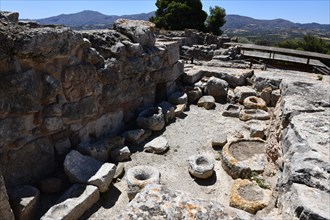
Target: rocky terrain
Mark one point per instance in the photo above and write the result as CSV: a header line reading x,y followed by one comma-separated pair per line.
x,y
112,124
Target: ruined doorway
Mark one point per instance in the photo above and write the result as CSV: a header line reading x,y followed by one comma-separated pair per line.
x,y
161,92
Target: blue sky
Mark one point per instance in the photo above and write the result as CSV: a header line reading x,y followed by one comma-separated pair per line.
x,y
302,11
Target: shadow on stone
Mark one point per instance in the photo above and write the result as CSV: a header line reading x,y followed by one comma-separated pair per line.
x,y
206,182
107,201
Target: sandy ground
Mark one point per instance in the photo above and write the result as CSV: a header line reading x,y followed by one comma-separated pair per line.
x,y
189,135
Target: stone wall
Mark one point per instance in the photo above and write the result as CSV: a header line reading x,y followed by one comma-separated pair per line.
x,y
59,87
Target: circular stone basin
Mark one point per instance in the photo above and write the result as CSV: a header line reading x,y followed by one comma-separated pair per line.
x,y
248,196
152,119
255,102
243,150
244,156
201,166
140,176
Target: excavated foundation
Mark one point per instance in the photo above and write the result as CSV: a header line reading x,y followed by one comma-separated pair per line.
x,y
123,103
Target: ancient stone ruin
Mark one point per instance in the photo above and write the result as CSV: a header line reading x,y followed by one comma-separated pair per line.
x,y
137,123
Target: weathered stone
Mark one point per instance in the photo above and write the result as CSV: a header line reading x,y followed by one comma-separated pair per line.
x,y
305,150
168,111
120,169
50,185
200,166
140,176
158,145
98,150
253,102
10,16
36,160
120,154
138,31
232,110
20,92
5,210
194,95
248,196
136,136
257,128
79,82
219,140
23,200
266,94
234,77
240,158
52,124
208,102
151,119
73,203
63,146
304,202
114,141
107,124
85,169
158,202
275,96
179,109
12,128
257,114
52,110
216,87
51,88
178,98
242,92
75,111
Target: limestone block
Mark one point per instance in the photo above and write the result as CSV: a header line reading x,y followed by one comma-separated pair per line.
x,y
73,203
5,210
266,94
257,114
158,145
20,92
74,111
216,87
305,202
242,92
168,111
162,201
208,102
36,160
79,81
120,154
178,98
141,32
23,200
98,150
85,169
136,136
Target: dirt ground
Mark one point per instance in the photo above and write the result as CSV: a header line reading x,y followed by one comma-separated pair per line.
x,y
189,135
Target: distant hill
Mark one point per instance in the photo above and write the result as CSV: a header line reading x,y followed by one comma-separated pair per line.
x,y
247,23
236,24
90,19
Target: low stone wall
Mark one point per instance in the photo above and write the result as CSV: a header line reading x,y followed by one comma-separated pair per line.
x,y
59,87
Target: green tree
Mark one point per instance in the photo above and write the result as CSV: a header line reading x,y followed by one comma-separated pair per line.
x,y
179,14
309,43
216,20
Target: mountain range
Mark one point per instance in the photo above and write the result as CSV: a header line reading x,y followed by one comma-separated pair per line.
x,y
235,24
